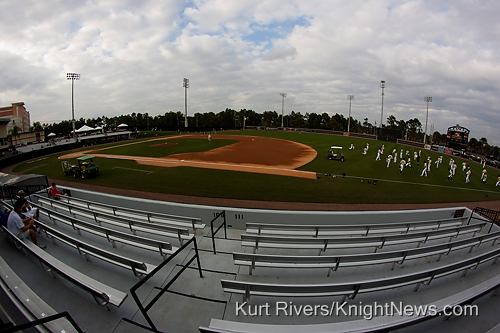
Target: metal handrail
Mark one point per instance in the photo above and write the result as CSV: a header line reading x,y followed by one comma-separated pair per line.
x,y
144,309
37,322
223,214
492,215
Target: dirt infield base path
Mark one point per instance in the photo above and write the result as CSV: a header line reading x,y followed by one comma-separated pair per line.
x,y
249,154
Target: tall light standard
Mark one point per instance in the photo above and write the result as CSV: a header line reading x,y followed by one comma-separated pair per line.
x,y
73,77
185,84
350,97
283,95
427,99
382,85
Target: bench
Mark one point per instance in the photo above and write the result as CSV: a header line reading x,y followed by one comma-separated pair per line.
x,y
351,288
350,230
174,220
28,303
334,262
164,248
325,243
381,323
86,249
102,293
181,233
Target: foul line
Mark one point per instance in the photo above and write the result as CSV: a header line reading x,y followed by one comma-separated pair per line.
x,y
133,169
403,182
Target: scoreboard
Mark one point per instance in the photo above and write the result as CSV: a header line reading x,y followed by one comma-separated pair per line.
x,y
457,137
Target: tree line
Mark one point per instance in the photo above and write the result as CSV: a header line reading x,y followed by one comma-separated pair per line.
x,y
231,119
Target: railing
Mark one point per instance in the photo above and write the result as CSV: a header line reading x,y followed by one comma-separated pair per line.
x,y
492,215
42,321
144,309
221,214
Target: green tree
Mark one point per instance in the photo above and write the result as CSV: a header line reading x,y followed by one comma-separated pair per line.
x,y
14,134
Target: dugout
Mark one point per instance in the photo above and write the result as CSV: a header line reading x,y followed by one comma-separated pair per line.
x,y
11,184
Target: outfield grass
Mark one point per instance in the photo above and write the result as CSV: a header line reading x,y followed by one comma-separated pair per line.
x,y
356,187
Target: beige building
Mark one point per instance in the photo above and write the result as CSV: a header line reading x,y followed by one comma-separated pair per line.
x,y
16,115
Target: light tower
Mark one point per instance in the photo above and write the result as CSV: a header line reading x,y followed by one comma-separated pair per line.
x,y
73,77
185,84
350,97
426,99
283,95
382,85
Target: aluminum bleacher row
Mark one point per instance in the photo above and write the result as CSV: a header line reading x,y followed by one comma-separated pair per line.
x,y
296,238
431,259
58,226
167,219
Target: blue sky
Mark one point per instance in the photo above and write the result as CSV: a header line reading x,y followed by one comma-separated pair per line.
x,y
133,56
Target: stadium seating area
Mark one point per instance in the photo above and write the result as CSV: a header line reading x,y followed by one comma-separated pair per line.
x,y
122,267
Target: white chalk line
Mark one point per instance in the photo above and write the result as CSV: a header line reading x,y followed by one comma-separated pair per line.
x,y
411,183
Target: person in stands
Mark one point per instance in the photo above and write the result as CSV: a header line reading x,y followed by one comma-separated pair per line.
x,y
54,192
27,210
19,228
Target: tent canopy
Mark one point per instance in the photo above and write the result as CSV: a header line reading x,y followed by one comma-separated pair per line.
x,y
52,134
84,128
123,125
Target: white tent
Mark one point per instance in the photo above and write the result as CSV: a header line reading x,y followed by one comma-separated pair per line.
x,y
123,125
84,128
98,128
52,134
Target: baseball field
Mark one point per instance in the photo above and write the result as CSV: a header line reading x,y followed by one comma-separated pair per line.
x,y
274,166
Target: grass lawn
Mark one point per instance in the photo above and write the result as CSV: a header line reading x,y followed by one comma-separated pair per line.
x,y
356,187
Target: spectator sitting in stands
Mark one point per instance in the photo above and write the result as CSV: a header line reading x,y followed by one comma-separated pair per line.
x,y
18,227
54,192
27,210
3,218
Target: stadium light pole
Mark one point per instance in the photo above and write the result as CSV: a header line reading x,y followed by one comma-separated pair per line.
x,y
350,97
427,99
185,84
73,77
283,95
382,85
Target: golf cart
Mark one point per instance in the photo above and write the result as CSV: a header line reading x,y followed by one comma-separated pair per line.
x,y
84,169
335,153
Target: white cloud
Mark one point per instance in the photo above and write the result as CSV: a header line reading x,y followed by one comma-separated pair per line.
x,y
133,56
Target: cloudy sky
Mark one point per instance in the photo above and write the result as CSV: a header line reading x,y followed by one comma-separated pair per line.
x,y
133,56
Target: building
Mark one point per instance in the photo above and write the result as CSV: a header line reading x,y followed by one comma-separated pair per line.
x,y
17,115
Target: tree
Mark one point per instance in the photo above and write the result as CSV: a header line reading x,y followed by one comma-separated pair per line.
x,y
391,122
14,133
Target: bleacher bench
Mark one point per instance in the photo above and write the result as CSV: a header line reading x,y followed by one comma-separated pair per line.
x,y
350,230
28,303
352,260
376,324
102,293
163,248
324,243
351,288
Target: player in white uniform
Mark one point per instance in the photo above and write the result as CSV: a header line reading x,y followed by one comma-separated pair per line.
x,y
424,171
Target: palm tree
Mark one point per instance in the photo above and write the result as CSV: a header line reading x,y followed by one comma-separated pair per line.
x,y
14,132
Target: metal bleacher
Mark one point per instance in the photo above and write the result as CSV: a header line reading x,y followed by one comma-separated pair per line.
x,y
417,260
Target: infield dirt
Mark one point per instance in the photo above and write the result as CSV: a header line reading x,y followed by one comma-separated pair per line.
x,y
249,154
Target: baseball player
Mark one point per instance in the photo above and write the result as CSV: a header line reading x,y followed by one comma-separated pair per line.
x,y
450,174
378,155
401,167
388,160
467,175
424,170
